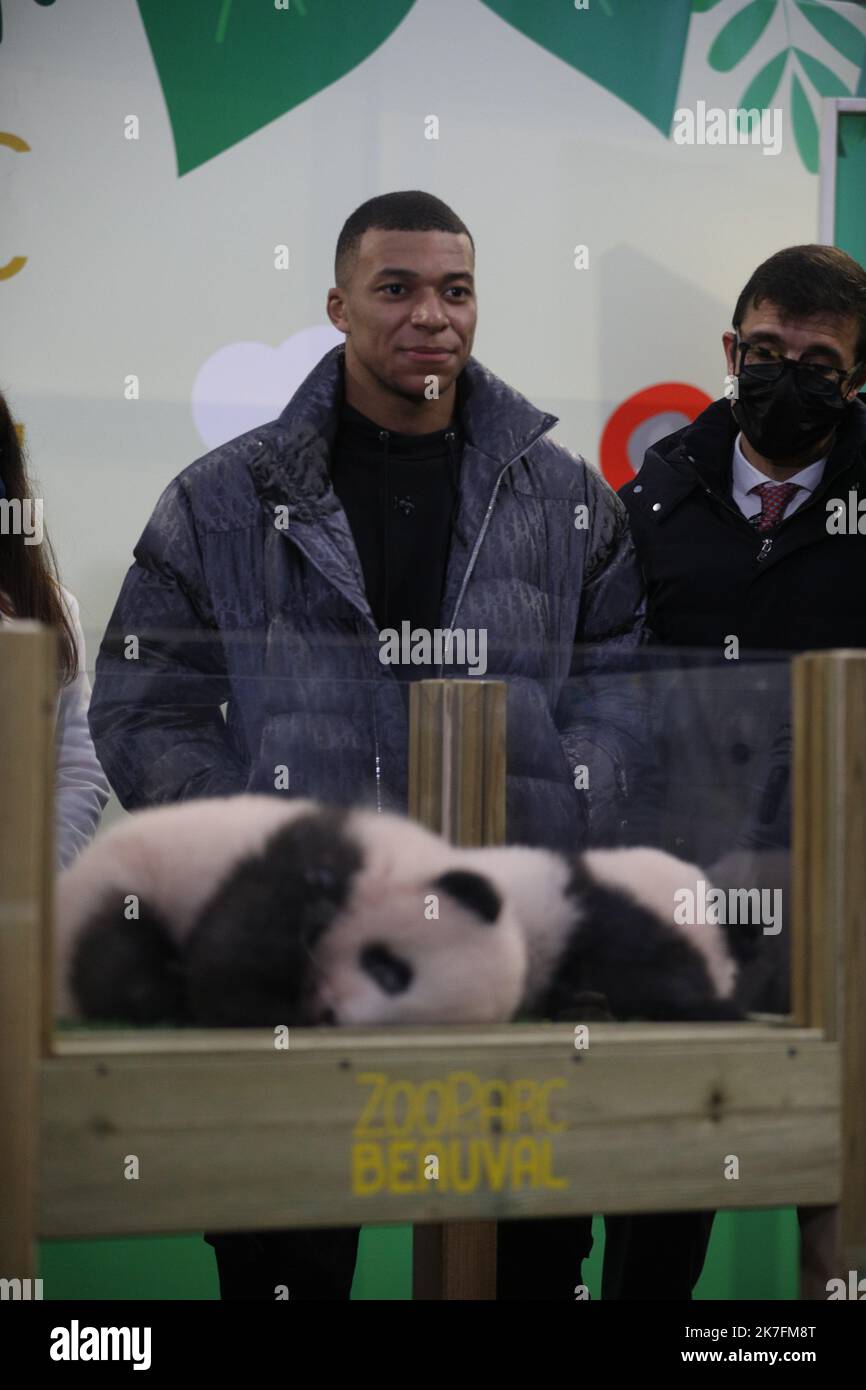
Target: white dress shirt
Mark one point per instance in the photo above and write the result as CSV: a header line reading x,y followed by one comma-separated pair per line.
x,y
745,476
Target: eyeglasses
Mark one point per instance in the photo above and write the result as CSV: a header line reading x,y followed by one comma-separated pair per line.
x,y
758,360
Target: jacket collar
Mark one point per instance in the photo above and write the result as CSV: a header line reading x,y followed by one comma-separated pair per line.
x,y
293,465
699,455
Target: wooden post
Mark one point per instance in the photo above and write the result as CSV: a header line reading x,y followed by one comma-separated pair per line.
x,y
457,787
28,665
829,945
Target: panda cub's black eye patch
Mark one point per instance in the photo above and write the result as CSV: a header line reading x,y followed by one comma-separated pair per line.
x,y
392,975
472,891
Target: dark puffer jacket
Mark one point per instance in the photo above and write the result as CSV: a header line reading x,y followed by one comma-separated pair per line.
x,y
710,575
722,726
247,592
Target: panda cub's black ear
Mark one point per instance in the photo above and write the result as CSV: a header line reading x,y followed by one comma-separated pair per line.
x,y
472,891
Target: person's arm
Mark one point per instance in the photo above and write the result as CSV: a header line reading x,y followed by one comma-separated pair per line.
x,y
161,674
600,714
81,786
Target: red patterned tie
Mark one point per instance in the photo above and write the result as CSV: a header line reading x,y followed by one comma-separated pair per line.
x,y
774,499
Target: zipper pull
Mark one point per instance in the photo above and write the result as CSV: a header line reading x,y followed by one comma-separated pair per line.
x,y
765,550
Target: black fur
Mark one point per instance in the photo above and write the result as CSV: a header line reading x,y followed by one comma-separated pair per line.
x,y
247,961
641,966
128,971
392,974
472,891
249,958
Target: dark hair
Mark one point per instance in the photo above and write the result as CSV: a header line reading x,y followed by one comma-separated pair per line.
x,y
29,587
806,280
412,211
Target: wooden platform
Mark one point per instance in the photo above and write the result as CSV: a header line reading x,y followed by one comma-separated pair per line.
x,y
231,1134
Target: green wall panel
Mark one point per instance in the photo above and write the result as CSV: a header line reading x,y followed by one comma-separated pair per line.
x,y
752,1255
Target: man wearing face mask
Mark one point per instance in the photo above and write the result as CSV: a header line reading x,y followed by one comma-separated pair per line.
x,y
730,514
740,521
739,525
736,520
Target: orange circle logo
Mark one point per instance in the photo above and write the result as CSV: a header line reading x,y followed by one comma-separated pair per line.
x,y
666,398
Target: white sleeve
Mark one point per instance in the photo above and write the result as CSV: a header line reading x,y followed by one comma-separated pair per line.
x,y
82,788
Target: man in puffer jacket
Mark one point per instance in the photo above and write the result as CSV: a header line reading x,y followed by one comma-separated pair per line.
x,y
403,485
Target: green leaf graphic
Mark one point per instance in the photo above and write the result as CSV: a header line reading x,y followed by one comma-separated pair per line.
x,y
740,34
699,5
805,125
845,37
762,88
823,79
228,69
635,50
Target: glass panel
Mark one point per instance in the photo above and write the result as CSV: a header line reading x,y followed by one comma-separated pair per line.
x,y
675,750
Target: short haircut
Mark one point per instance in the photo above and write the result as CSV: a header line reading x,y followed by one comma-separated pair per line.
x,y
806,280
412,211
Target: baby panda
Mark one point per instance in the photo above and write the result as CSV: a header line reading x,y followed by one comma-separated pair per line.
x,y
255,911
602,936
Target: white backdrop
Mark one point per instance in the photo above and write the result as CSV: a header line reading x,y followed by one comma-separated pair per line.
x,y
131,269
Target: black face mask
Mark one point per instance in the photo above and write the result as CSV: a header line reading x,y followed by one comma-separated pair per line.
x,y
782,418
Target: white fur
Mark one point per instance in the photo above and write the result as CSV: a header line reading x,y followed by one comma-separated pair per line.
x,y
534,881
465,969
173,856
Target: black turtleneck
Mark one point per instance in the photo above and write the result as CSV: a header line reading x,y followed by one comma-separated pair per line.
x,y
399,492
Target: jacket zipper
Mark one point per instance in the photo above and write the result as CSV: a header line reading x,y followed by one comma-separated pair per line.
x,y
767,543
483,532
378,758
469,568
811,501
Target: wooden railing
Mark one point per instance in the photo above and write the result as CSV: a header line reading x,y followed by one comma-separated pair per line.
x,y
231,1134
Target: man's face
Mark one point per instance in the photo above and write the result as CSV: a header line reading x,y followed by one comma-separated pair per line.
x,y
820,338
408,310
